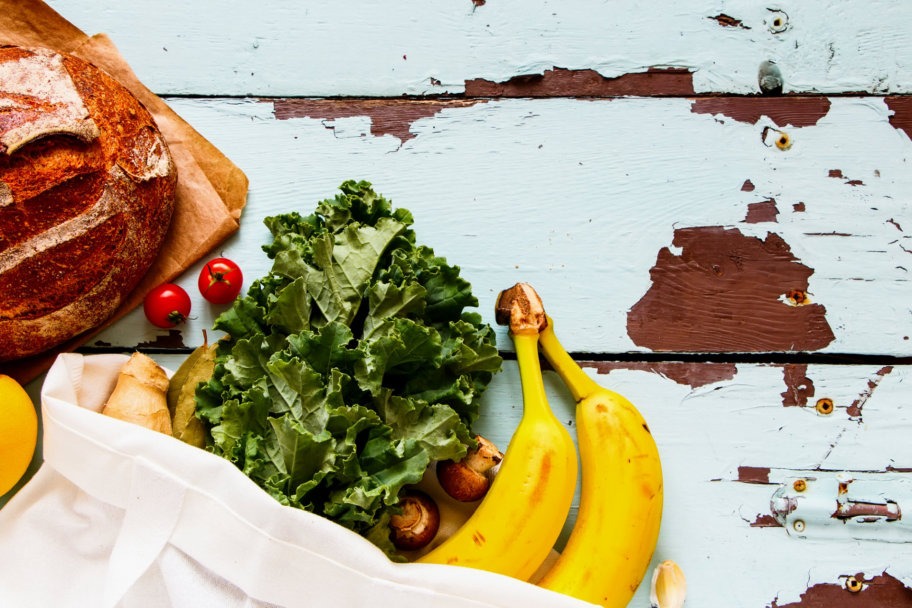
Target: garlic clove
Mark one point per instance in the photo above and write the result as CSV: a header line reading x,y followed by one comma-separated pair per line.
x,y
669,586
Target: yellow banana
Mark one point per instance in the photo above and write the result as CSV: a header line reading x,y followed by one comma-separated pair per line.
x,y
516,524
612,542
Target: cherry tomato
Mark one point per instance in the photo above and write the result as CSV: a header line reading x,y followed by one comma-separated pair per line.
x,y
167,305
220,281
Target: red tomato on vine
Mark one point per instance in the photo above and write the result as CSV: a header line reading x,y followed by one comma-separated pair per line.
x,y
167,305
220,281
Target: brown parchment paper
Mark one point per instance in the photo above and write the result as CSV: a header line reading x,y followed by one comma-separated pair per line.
x,y
211,190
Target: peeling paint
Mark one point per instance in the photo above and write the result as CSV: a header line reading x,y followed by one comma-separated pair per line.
x,y
747,186
794,111
729,21
733,283
174,339
855,409
837,173
765,520
748,474
561,82
388,116
693,375
901,118
798,387
763,211
881,591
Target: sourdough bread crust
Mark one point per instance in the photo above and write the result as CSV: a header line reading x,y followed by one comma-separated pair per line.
x,y
87,188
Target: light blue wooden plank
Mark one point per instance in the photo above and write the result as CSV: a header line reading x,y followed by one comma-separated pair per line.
x,y
726,445
579,197
364,47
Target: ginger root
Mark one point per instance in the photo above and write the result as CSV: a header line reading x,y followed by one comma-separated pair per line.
x,y
140,395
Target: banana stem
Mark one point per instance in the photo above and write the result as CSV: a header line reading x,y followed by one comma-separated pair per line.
x,y
579,383
533,386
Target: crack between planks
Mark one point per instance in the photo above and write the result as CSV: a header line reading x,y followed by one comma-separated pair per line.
x,y
773,358
445,97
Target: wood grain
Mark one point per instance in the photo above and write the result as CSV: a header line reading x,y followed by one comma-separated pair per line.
x,y
647,224
727,260
435,47
726,445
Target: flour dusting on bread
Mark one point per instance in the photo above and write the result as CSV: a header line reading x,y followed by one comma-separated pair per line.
x,y
87,191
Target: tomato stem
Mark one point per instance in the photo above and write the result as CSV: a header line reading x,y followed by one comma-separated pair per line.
x,y
176,317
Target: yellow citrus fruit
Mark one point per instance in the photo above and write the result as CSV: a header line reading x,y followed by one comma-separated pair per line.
x,y
18,432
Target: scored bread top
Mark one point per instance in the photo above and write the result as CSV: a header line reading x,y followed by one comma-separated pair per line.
x,y
33,106
87,187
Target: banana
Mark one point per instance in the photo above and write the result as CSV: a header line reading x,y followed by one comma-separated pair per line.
x,y
516,524
612,542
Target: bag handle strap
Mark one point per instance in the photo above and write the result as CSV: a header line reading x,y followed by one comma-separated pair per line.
x,y
155,501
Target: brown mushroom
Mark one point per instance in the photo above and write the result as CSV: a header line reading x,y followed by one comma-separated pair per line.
x,y
468,480
417,522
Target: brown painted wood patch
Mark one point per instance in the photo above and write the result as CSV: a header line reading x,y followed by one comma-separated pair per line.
x,y
882,591
560,82
738,285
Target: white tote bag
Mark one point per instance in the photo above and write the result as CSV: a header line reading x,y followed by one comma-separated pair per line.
x,y
119,515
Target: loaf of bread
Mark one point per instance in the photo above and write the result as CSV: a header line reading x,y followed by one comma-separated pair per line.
x,y
87,189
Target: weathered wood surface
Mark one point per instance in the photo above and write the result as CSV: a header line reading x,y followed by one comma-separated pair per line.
x,y
416,47
618,157
729,436
647,224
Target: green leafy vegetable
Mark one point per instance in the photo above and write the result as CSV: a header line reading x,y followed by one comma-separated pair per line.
x,y
349,367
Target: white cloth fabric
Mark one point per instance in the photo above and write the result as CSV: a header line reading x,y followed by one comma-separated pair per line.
x,y
121,516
